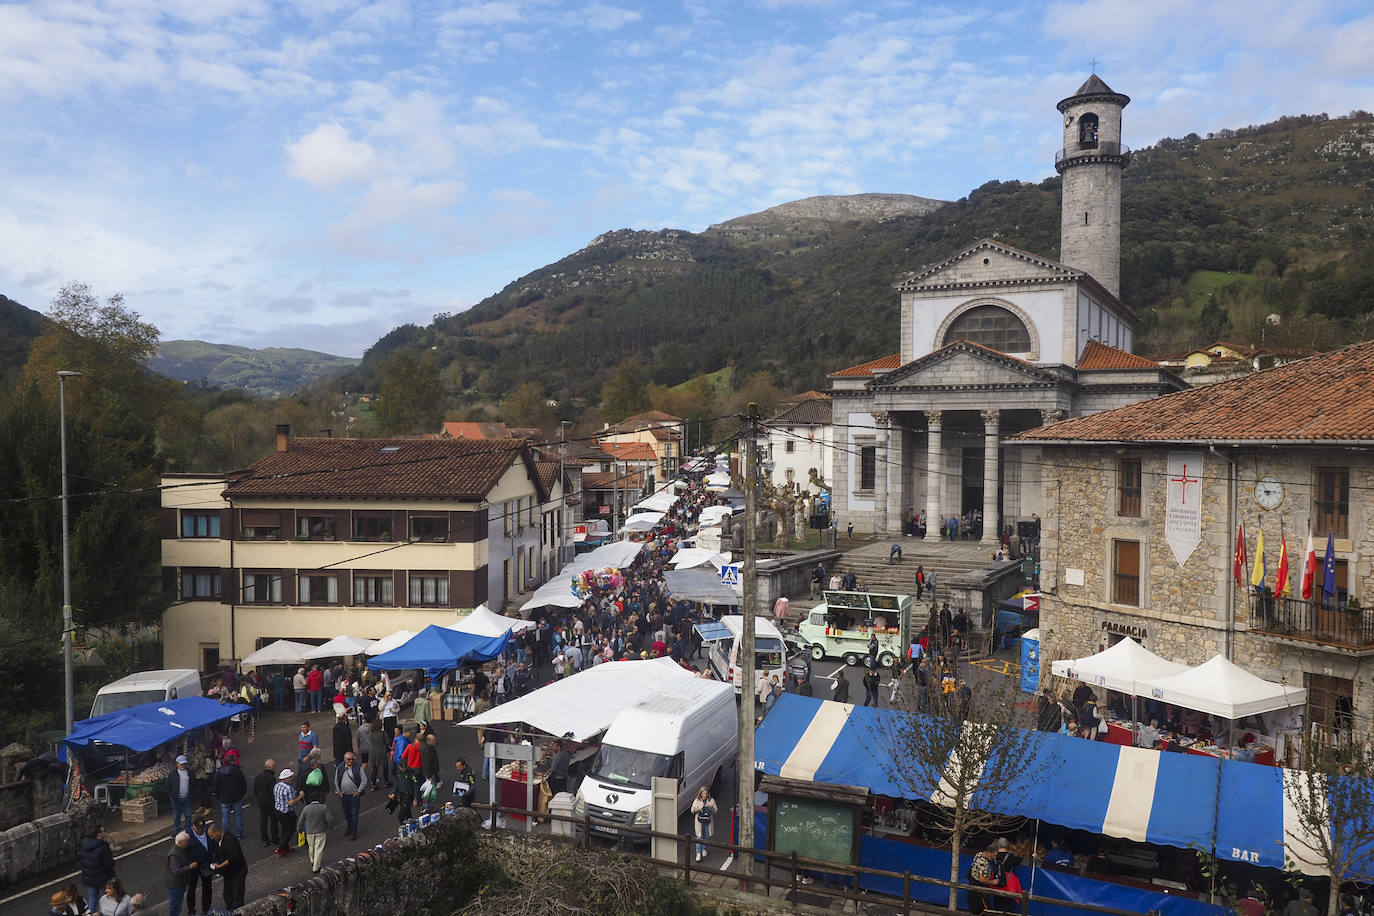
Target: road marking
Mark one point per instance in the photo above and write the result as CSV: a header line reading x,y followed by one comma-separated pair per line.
x,y
831,675
729,860
149,845
998,666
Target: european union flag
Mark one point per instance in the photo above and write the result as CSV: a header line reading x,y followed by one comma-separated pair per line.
x,y
1329,568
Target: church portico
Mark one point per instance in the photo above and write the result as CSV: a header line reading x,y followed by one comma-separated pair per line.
x,y
995,341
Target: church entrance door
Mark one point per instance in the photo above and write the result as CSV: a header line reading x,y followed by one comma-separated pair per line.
x,y
971,479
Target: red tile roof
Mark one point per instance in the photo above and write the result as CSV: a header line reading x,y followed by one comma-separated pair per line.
x,y
609,480
629,451
467,430
380,469
1327,398
1097,355
885,362
548,474
812,411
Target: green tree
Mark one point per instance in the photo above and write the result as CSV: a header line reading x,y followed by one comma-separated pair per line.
x,y
411,394
627,393
527,405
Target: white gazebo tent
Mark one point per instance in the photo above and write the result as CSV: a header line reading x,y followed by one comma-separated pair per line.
x,y
281,652
1220,688
712,515
641,521
1126,668
484,622
393,641
661,501
689,557
341,646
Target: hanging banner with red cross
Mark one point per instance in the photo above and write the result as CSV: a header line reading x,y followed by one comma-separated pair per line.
x,y
1183,504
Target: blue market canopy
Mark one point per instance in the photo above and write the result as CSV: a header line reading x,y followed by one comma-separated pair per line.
x,y
438,649
150,725
1134,793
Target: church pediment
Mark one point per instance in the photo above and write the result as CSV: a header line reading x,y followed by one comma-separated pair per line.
x,y
963,363
987,263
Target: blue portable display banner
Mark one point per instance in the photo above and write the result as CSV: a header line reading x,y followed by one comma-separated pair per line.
x,y
1030,661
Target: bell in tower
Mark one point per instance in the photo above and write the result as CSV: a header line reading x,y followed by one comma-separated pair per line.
x,y
1090,162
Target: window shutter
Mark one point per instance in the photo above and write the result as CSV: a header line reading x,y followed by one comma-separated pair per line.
x,y
229,586
167,524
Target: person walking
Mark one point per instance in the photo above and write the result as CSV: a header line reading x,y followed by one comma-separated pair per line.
x,y
841,694
263,784
703,816
298,687
181,870
115,901
464,783
306,742
391,712
284,799
97,864
202,851
379,770
920,582
230,788
871,682
343,737
180,787
350,782
231,865
314,822
314,682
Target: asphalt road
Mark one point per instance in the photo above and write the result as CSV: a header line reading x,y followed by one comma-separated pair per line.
x,y
142,866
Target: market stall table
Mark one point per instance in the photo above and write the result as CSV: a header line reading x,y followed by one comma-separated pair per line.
x,y
511,781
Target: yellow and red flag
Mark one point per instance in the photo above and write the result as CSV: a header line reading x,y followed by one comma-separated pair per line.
x,y
1282,584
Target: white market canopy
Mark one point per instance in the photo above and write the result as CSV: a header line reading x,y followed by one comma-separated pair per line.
x,y
281,652
484,622
1220,688
557,592
718,480
1126,667
341,646
661,501
387,643
642,521
712,515
584,705
690,557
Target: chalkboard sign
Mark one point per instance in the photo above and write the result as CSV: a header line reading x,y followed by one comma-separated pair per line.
x,y
814,829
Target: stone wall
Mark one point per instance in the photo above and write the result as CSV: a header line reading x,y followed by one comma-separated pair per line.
x,y
46,843
1183,613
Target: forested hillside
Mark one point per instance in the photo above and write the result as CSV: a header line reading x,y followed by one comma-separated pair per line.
x,y
1218,233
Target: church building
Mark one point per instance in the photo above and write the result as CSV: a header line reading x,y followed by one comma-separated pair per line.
x,y
996,341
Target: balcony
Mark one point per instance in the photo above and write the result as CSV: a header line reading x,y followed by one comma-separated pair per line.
x,y
1330,624
1094,151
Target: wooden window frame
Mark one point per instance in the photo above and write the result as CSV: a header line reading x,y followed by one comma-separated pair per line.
x,y
1129,487
1331,514
1126,587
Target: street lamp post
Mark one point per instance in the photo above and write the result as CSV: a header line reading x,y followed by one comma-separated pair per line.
x,y
69,699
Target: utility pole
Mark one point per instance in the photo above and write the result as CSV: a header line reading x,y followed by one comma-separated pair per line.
x,y
748,676
69,696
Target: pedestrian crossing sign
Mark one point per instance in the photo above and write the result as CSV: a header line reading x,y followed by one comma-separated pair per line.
x,y
729,574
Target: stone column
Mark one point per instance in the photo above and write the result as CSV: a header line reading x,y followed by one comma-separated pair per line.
x,y
991,439
934,477
880,467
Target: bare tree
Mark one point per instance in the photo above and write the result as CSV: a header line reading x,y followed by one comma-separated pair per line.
x,y
1331,791
949,743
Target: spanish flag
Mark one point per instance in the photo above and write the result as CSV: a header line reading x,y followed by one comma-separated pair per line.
x,y
1282,584
1257,575
1238,561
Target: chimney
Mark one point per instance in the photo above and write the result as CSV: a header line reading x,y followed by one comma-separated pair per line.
x,y
327,433
283,436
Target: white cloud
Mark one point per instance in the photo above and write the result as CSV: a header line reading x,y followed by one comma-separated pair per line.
x,y
328,157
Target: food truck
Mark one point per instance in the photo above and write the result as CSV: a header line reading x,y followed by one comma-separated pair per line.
x,y
841,625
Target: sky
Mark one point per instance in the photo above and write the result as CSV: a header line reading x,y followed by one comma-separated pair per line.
x,y
315,173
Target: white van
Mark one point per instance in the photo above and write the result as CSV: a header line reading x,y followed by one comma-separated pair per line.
x,y
147,687
721,639
688,732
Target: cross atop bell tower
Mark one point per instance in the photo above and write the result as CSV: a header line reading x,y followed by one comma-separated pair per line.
x,y
1091,161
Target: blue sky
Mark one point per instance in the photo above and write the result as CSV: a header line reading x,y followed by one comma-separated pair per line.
x,y
314,173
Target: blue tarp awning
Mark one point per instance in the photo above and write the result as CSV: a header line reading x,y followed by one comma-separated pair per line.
x,y
438,649
150,725
1237,809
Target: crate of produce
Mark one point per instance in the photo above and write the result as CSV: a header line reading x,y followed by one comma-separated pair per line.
x,y
139,810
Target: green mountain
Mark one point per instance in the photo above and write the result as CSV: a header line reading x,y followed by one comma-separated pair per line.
x,y
19,327
269,372
1278,218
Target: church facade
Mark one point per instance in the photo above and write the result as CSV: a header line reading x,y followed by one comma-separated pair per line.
x,y
996,341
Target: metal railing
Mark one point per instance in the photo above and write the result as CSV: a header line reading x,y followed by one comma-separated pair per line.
x,y
794,868
1322,621
1092,149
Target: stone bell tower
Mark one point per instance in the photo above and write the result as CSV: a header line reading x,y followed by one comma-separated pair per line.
x,y
1091,161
